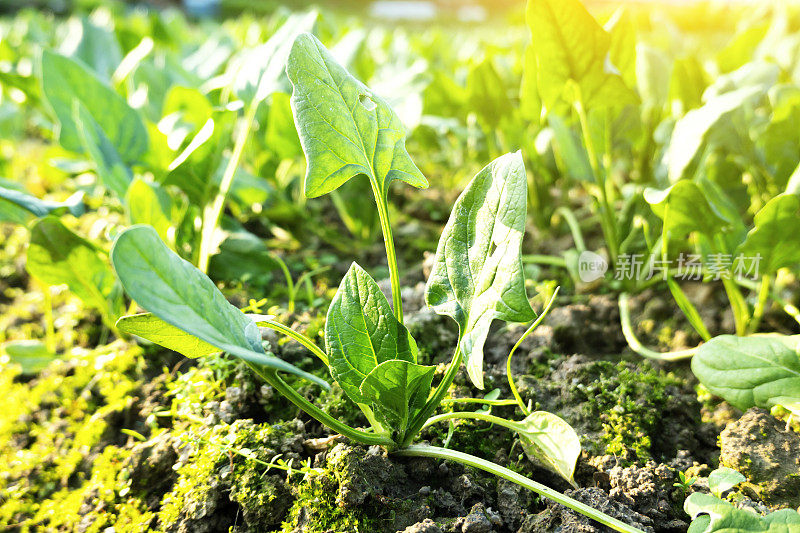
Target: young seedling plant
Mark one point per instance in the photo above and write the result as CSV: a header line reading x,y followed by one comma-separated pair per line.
x,y
346,130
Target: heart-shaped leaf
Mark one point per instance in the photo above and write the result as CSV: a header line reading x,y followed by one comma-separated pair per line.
x,y
182,296
749,371
477,274
361,332
345,129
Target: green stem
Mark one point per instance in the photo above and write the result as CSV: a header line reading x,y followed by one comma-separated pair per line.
x,y
636,346
688,309
305,277
363,437
741,314
475,415
391,257
574,227
608,224
434,401
685,305
545,260
533,326
482,401
49,323
422,450
789,308
758,312
213,211
299,337
288,277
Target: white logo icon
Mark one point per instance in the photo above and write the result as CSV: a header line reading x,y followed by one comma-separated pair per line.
x,y
591,266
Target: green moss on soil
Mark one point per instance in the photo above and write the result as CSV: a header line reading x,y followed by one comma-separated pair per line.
x,y
61,444
619,406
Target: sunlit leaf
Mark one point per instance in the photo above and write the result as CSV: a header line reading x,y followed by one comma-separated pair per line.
x,y
175,291
345,129
477,274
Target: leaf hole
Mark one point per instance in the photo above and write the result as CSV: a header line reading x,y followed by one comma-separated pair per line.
x,y
366,101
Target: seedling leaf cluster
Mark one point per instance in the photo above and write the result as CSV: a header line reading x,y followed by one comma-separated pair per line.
x,y
368,350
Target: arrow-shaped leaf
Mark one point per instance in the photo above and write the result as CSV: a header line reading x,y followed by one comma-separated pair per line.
x,y
477,275
345,129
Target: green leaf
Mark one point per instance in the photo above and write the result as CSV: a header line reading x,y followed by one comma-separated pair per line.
x,y
550,441
397,389
111,169
652,75
718,515
32,355
687,82
150,204
182,296
790,404
66,82
723,479
571,154
713,515
774,238
41,208
622,49
483,97
572,49
281,135
749,371
361,332
530,103
696,127
57,256
741,48
95,45
684,208
477,274
257,72
150,327
345,129
243,257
